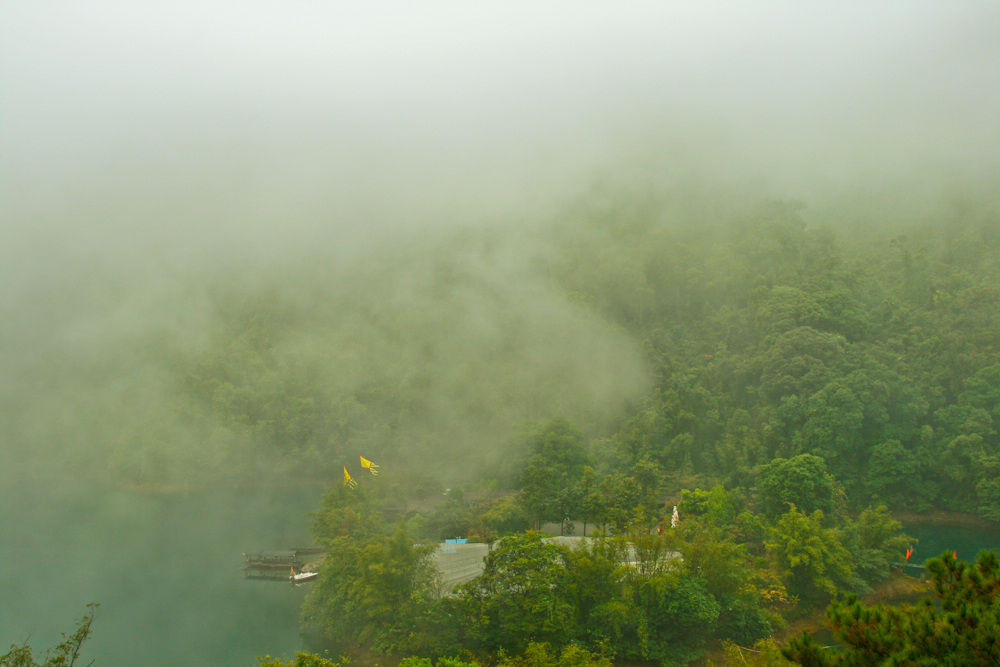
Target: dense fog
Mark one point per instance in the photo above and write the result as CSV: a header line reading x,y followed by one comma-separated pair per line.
x,y
382,172
243,243
384,175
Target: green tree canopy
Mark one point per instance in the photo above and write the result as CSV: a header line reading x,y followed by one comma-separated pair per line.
x,y
962,631
347,512
677,615
523,595
875,539
374,591
801,481
556,460
811,558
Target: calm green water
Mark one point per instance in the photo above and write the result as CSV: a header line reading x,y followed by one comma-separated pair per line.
x,y
933,541
166,571
966,542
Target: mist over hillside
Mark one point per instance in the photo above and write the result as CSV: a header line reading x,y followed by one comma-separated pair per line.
x,y
245,240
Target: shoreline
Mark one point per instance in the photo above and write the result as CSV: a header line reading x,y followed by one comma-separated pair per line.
x,y
945,518
899,587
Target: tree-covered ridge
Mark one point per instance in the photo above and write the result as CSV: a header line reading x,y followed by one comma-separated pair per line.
x,y
769,338
765,337
678,337
436,349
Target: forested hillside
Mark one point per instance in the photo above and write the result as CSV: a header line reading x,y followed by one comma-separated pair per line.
x,y
553,267
702,340
769,337
802,378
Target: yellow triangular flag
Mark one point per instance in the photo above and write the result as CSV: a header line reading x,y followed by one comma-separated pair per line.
x,y
369,466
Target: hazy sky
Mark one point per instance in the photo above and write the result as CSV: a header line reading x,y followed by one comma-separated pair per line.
x,y
439,104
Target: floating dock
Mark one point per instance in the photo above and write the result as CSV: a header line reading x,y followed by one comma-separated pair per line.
x,y
277,564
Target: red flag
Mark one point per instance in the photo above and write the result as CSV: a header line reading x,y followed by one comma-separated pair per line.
x,y
954,554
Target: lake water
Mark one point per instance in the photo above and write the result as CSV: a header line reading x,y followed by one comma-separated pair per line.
x,y
964,540
166,570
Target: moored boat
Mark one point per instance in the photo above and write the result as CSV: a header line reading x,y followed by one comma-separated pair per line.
x,y
302,576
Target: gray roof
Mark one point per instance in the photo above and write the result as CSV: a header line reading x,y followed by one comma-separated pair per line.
x,y
459,563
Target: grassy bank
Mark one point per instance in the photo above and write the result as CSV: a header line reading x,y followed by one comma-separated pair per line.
x,y
897,588
946,518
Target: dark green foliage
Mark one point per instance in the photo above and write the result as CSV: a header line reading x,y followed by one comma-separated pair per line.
x,y
542,655
556,459
962,631
717,507
454,517
799,363
620,494
763,653
814,375
597,586
874,353
347,512
726,567
589,501
678,615
741,618
811,559
894,473
638,599
875,539
801,481
65,654
301,660
376,590
414,661
721,546
679,422
503,517
746,332
523,595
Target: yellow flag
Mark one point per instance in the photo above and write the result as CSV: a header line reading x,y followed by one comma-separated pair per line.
x,y
369,466
348,480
